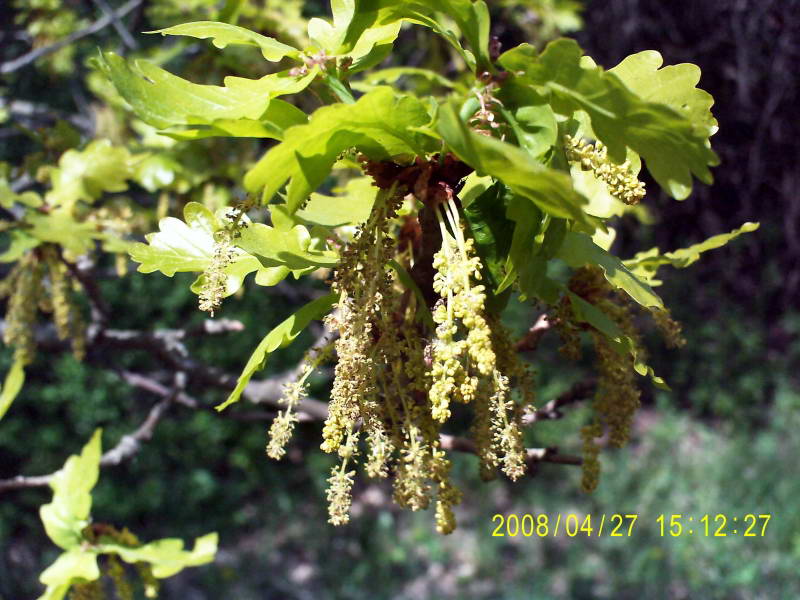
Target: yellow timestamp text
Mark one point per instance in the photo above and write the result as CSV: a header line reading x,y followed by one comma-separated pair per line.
x,y
717,525
571,525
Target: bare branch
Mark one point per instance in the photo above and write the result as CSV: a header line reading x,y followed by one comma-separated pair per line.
x,y
128,446
552,410
532,455
21,61
531,339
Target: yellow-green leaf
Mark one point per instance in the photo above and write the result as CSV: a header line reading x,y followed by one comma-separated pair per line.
x,y
282,335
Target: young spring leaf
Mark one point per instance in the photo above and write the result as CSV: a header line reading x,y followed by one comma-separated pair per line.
x,y
167,557
73,565
224,34
282,335
65,517
164,100
645,264
673,85
15,378
670,144
381,125
548,189
579,250
85,175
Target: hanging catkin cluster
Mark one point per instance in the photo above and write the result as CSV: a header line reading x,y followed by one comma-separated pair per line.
x,y
41,281
622,184
396,381
617,397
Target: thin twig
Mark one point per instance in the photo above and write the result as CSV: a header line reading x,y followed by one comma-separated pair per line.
x,y
106,20
126,36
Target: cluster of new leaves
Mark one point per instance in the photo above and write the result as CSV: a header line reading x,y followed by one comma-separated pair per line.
x,y
87,545
457,199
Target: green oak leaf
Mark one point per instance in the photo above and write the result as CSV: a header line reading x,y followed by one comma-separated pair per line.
x,y
281,336
548,189
671,145
673,85
167,557
353,20
380,124
85,175
391,76
588,313
224,34
75,564
578,250
284,248
165,100
351,206
645,264
60,227
15,378
492,231
19,244
188,246
65,517
531,118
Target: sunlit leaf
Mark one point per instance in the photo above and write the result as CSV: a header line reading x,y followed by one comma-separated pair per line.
x,y
288,248
670,144
645,264
165,100
11,386
673,85
75,564
224,34
167,557
85,175
65,517
381,124
188,246
282,335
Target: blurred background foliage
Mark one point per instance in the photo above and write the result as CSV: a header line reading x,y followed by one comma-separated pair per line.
x,y
725,440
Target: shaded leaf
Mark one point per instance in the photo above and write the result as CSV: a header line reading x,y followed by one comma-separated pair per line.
x,y
59,227
282,335
20,243
579,250
588,313
550,190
